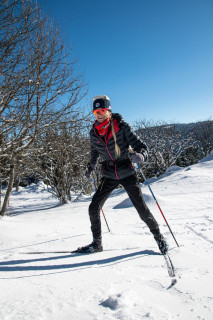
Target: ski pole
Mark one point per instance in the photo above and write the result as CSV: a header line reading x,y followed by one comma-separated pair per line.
x,y
156,202
76,199
93,185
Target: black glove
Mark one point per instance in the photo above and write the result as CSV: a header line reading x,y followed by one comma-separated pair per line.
x,y
88,172
136,157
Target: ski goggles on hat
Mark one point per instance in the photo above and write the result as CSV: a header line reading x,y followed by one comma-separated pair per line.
x,y
100,111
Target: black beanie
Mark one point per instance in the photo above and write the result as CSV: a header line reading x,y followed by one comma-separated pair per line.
x,y
101,102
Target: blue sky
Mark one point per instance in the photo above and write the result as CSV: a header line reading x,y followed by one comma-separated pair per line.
x,y
153,58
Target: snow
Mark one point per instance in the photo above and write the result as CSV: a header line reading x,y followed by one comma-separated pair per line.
x,y
129,279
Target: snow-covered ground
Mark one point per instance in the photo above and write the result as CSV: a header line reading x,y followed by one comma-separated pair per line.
x,y
128,280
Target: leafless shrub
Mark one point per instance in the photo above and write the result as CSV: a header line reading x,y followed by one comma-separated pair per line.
x,y
165,142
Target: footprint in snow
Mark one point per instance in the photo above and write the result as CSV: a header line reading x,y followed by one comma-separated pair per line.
x,y
113,302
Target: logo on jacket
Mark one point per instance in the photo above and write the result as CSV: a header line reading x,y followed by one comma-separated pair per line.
x,y
97,105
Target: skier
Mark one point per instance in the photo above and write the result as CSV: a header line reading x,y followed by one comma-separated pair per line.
x,y
111,138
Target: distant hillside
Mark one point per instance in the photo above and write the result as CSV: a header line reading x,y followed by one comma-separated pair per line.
x,y
187,127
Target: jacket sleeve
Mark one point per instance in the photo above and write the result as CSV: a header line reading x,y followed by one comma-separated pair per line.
x,y
94,154
134,141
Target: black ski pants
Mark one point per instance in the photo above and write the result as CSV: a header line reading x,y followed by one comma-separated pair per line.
x,y
132,187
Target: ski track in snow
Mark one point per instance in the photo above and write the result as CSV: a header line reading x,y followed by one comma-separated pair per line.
x,y
199,234
129,279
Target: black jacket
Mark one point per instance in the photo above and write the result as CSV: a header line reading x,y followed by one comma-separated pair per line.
x,y
112,167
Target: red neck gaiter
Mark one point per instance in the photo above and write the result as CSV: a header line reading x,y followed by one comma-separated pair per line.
x,y
102,127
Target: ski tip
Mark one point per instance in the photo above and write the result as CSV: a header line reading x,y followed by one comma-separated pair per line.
x,y
174,281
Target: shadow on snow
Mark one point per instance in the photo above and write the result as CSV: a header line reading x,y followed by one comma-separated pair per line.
x,y
16,265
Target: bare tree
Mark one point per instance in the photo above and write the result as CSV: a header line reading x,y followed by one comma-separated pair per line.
x,y
39,82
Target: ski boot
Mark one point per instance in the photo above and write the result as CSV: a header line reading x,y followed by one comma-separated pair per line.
x,y
161,242
95,246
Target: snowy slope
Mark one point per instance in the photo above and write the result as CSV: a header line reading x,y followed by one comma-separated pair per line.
x,y
128,280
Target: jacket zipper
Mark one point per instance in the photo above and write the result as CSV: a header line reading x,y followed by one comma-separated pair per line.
x,y
108,153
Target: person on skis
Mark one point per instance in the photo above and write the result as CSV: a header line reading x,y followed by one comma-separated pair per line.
x,y
111,138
